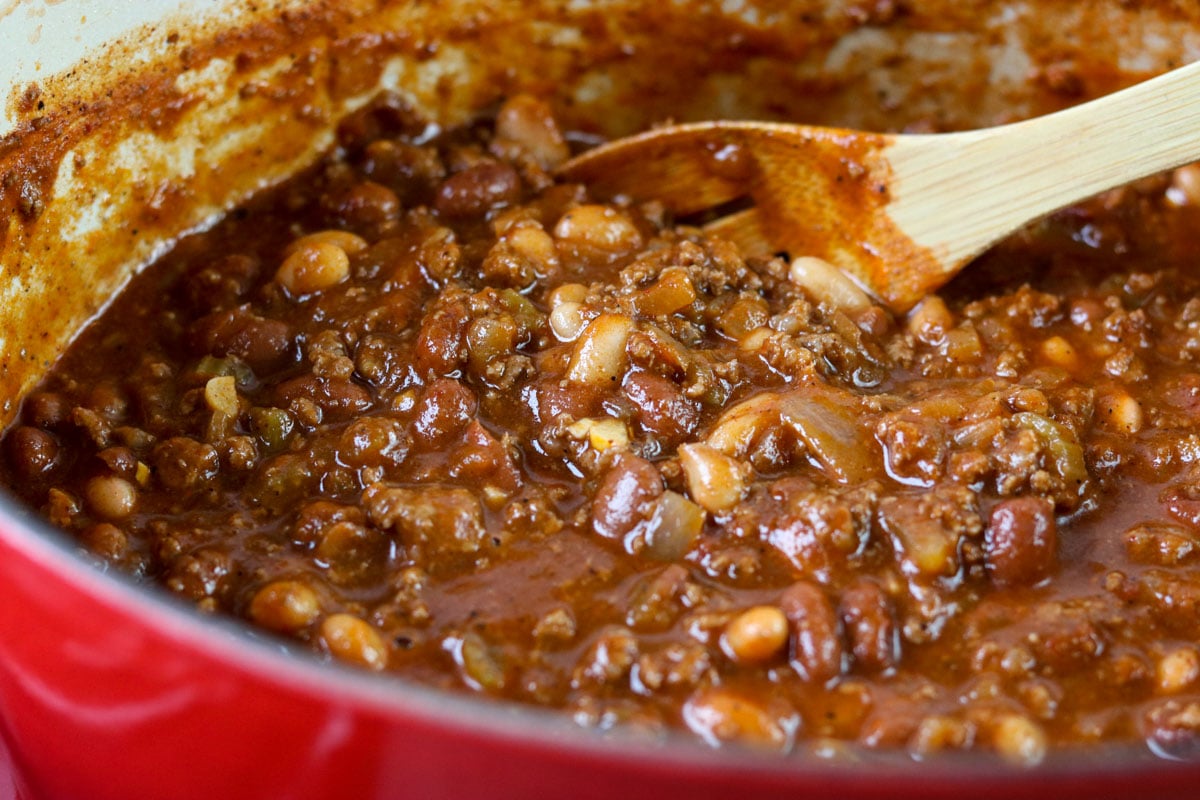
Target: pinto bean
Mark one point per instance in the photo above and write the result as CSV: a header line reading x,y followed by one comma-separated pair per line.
x,y
350,243
313,268
285,606
719,715
601,228
1020,541
110,497
827,283
757,634
714,480
354,640
529,123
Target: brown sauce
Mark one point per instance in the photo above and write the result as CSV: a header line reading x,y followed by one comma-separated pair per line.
x,y
494,436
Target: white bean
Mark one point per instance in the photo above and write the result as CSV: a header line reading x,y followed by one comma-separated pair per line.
x,y
714,480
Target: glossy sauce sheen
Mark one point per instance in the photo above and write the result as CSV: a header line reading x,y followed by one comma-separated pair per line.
x,y
481,431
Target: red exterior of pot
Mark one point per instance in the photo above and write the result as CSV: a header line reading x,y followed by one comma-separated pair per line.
x,y
109,693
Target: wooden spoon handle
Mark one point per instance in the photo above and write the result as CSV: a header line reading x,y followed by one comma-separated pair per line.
x,y
1016,173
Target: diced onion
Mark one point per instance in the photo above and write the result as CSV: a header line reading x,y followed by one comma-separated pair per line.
x,y
740,426
601,434
674,526
599,355
671,292
220,394
826,282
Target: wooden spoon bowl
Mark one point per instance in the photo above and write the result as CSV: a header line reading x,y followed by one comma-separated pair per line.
x,y
901,213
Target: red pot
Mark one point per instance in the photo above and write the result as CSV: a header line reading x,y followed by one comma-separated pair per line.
x,y
110,691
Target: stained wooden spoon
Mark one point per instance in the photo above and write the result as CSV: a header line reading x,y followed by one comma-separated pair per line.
x,y
901,213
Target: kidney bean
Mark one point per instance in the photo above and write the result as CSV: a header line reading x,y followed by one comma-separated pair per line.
x,y
816,648
47,409
31,451
222,283
441,343
554,398
869,625
120,460
443,410
410,170
264,344
662,408
1020,541
1183,503
625,496
368,208
474,190
338,399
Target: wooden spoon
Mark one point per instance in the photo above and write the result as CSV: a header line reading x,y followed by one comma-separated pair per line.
x,y
901,213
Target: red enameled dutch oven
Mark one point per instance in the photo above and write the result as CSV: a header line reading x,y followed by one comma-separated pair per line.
x,y
127,124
